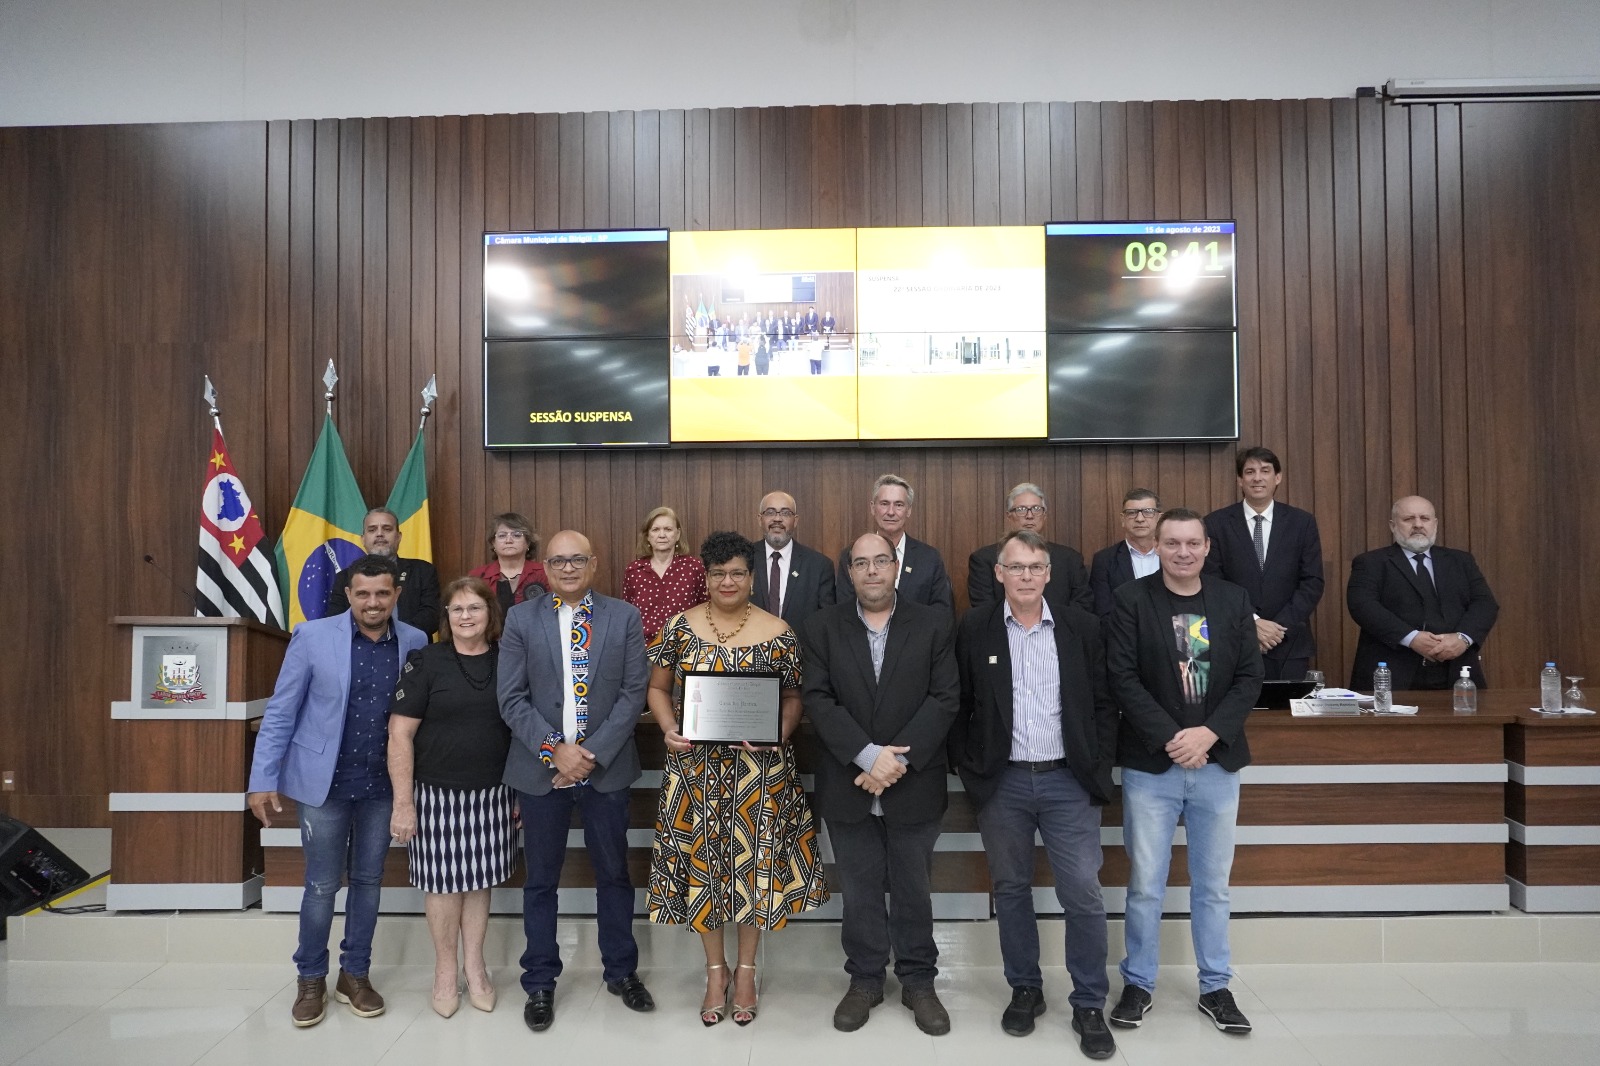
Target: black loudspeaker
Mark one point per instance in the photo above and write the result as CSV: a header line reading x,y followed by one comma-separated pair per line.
x,y
32,870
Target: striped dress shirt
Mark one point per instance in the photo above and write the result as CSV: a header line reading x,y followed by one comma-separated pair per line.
x,y
1035,689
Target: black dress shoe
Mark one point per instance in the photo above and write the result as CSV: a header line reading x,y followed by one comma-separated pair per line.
x,y
1094,1039
541,1010
1027,1003
635,996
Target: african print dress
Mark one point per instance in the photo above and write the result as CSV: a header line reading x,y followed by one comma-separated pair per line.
x,y
735,837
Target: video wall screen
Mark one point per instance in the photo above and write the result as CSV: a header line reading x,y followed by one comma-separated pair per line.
x,y
1143,341
645,337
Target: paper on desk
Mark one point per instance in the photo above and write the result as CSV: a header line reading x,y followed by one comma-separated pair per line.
x,y
1399,708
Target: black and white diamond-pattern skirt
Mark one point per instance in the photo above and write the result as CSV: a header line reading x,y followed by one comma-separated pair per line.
x,y
465,840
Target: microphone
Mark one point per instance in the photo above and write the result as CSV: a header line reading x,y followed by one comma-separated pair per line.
x,y
187,595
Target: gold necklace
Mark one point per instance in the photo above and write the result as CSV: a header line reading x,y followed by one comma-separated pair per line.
x,y
723,638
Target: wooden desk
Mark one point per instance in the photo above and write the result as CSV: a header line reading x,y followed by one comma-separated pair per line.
x,y
1343,815
1552,808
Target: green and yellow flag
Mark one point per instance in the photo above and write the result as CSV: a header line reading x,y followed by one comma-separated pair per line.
x,y
323,533
409,502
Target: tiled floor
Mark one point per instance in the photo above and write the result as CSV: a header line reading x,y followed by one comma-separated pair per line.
x,y
125,1014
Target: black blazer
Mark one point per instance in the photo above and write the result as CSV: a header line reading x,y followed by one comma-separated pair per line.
x,y
1145,681
419,595
1111,569
810,585
1069,582
980,742
912,702
1286,590
1385,598
922,577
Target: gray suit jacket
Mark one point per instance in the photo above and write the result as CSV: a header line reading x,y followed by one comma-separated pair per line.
x,y
531,696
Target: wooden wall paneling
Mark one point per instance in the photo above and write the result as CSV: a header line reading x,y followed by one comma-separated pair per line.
x,y
1218,203
1431,398
697,174
446,433
986,138
1114,190
492,494
1063,162
1313,480
1266,384
645,189
908,164
1168,165
1248,252
357,422
827,169
1298,402
1139,162
724,148
936,150
1013,162
672,137
960,164
381,407
1035,163
744,192
1376,480
1090,167
402,368
457,423
799,169
621,161
1401,410
855,195
882,172
273,484
472,504
1450,252
772,151
596,167
1343,524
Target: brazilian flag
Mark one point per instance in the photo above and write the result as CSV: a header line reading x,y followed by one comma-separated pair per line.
x,y
323,533
409,502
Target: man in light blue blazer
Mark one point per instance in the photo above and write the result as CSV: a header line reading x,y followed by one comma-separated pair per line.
x,y
572,684
324,744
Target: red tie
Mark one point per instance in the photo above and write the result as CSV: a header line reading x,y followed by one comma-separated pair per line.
x,y
775,585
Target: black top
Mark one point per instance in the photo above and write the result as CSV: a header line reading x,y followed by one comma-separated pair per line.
x,y
462,741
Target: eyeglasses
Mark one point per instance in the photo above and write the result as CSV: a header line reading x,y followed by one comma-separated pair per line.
x,y
877,562
1135,512
568,562
510,534
466,608
777,512
1027,510
719,576
1016,569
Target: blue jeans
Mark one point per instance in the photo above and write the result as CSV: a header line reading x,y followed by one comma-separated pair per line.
x,y
545,820
1058,807
340,838
1208,800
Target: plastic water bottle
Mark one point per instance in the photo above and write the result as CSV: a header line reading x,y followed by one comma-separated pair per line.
x,y
1382,689
1550,689
1464,700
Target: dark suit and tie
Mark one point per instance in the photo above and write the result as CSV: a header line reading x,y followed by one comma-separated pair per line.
x,y
922,576
1285,587
884,841
1389,600
805,584
1111,568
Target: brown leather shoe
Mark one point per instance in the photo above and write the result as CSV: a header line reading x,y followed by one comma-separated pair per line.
x,y
358,992
310,1001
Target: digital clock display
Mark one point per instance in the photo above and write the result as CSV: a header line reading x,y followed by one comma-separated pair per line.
x,y
1139,275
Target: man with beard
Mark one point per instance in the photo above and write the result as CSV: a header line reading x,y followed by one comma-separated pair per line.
x,y
418,602
791,581
1423,609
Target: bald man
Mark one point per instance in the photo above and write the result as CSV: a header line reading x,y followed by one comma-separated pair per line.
x,y
1423,609
791,580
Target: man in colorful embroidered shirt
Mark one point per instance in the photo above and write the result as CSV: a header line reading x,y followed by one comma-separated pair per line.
x,y
572,684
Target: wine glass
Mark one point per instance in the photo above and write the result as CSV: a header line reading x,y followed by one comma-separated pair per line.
x,y
1317,681
1572,699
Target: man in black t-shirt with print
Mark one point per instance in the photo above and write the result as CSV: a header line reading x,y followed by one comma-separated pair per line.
x,y
1185,669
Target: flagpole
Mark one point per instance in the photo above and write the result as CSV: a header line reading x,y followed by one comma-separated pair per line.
x,y
330,378
430,393
211,402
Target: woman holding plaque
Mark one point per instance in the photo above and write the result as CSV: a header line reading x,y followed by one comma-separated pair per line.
x,y
735,838
447,753
516,573
665,579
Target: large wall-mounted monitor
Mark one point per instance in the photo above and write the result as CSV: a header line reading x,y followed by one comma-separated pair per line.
x,y
1143,341
1065,332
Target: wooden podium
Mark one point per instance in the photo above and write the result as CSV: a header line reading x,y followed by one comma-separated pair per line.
x,y
181,836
